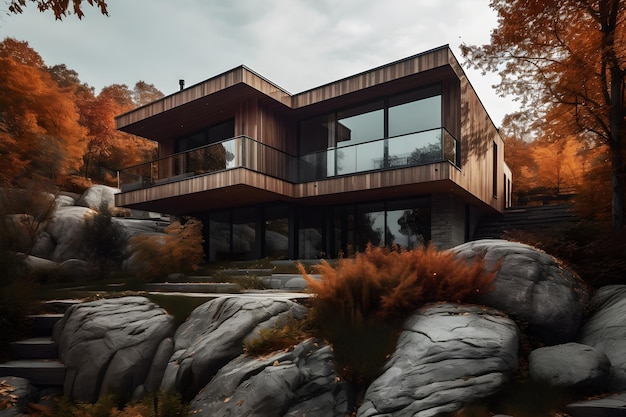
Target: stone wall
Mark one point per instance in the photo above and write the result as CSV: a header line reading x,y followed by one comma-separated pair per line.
x,y
447,221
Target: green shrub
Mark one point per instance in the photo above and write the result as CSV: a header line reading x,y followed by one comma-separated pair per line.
x,y
360,304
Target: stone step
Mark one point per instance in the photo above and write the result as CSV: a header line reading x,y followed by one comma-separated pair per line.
x,y
196,287
61,305
37,371
42,324
287,282
35,348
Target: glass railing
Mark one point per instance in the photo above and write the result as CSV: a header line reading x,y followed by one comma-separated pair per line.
x,y
238,152
427,147
420,148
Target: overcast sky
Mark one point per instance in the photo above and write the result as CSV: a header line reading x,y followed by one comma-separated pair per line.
x,y
297,44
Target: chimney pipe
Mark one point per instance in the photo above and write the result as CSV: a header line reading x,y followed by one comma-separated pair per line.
x,y
182,84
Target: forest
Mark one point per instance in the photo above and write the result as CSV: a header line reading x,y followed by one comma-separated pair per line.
x,y
56,131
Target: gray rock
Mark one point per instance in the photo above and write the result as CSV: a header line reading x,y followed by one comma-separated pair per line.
x,y
77,270
532,286
17,393
134,227
65,229
613,406
110,344
571,365
214,334
447,355
44,246
605,330
40,266
97,195
157,369
64,201
301,382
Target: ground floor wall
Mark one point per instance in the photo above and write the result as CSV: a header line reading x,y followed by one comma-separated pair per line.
x,y
297,231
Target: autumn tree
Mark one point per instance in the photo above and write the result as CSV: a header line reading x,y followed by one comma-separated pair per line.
x,y
107,148
566,61
60,8
40,134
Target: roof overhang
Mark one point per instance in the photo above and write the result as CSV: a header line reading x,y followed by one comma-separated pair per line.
x,y
212,101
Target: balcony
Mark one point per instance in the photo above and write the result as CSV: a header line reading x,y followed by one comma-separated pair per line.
x,y
420,148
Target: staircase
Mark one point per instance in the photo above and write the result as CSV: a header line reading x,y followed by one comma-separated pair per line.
x,y
525,218
36,358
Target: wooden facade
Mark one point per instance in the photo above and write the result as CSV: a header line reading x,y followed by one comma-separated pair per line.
x,y
269,115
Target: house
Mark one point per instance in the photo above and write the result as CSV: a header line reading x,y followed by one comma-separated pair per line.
x,y
401,154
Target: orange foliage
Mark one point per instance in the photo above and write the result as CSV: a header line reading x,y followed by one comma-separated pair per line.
x,y
568,73
53,126
39,118
381,283
179,250
359,304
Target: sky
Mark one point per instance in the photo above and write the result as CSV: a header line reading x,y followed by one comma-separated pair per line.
x,y
296,44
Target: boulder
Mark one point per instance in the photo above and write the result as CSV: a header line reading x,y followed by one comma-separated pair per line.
x,y
44,246
447,355
134,227
300,382
605,330
15,395
214,334
77,270
40,267
97,195
64,201
571,365
110,345
65,229
533,287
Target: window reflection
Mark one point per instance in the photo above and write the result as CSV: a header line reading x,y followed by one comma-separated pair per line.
x,y
415,116
401,131
360,125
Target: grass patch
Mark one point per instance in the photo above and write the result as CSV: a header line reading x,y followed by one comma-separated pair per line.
x,y
282,336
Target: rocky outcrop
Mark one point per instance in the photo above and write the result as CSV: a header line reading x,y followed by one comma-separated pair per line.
x,y
572,365
111,345
605,330
300,382
447,355
63,233
98,195
531,286
214,334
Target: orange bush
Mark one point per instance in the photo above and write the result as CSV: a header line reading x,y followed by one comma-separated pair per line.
x,y
386,283
359,304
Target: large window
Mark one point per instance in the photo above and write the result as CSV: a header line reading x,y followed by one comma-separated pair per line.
x,y
397,131
212,134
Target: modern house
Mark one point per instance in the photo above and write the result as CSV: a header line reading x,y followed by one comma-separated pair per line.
x,y
401,154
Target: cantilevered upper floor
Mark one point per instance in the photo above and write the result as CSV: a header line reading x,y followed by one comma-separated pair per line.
x,y
411,127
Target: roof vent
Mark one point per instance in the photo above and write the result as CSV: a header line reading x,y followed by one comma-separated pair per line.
x,y
182,84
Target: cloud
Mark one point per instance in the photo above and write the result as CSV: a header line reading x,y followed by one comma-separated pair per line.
x,y
298,44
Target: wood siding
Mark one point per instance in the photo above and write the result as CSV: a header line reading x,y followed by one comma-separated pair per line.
x,y
395,71
268,114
